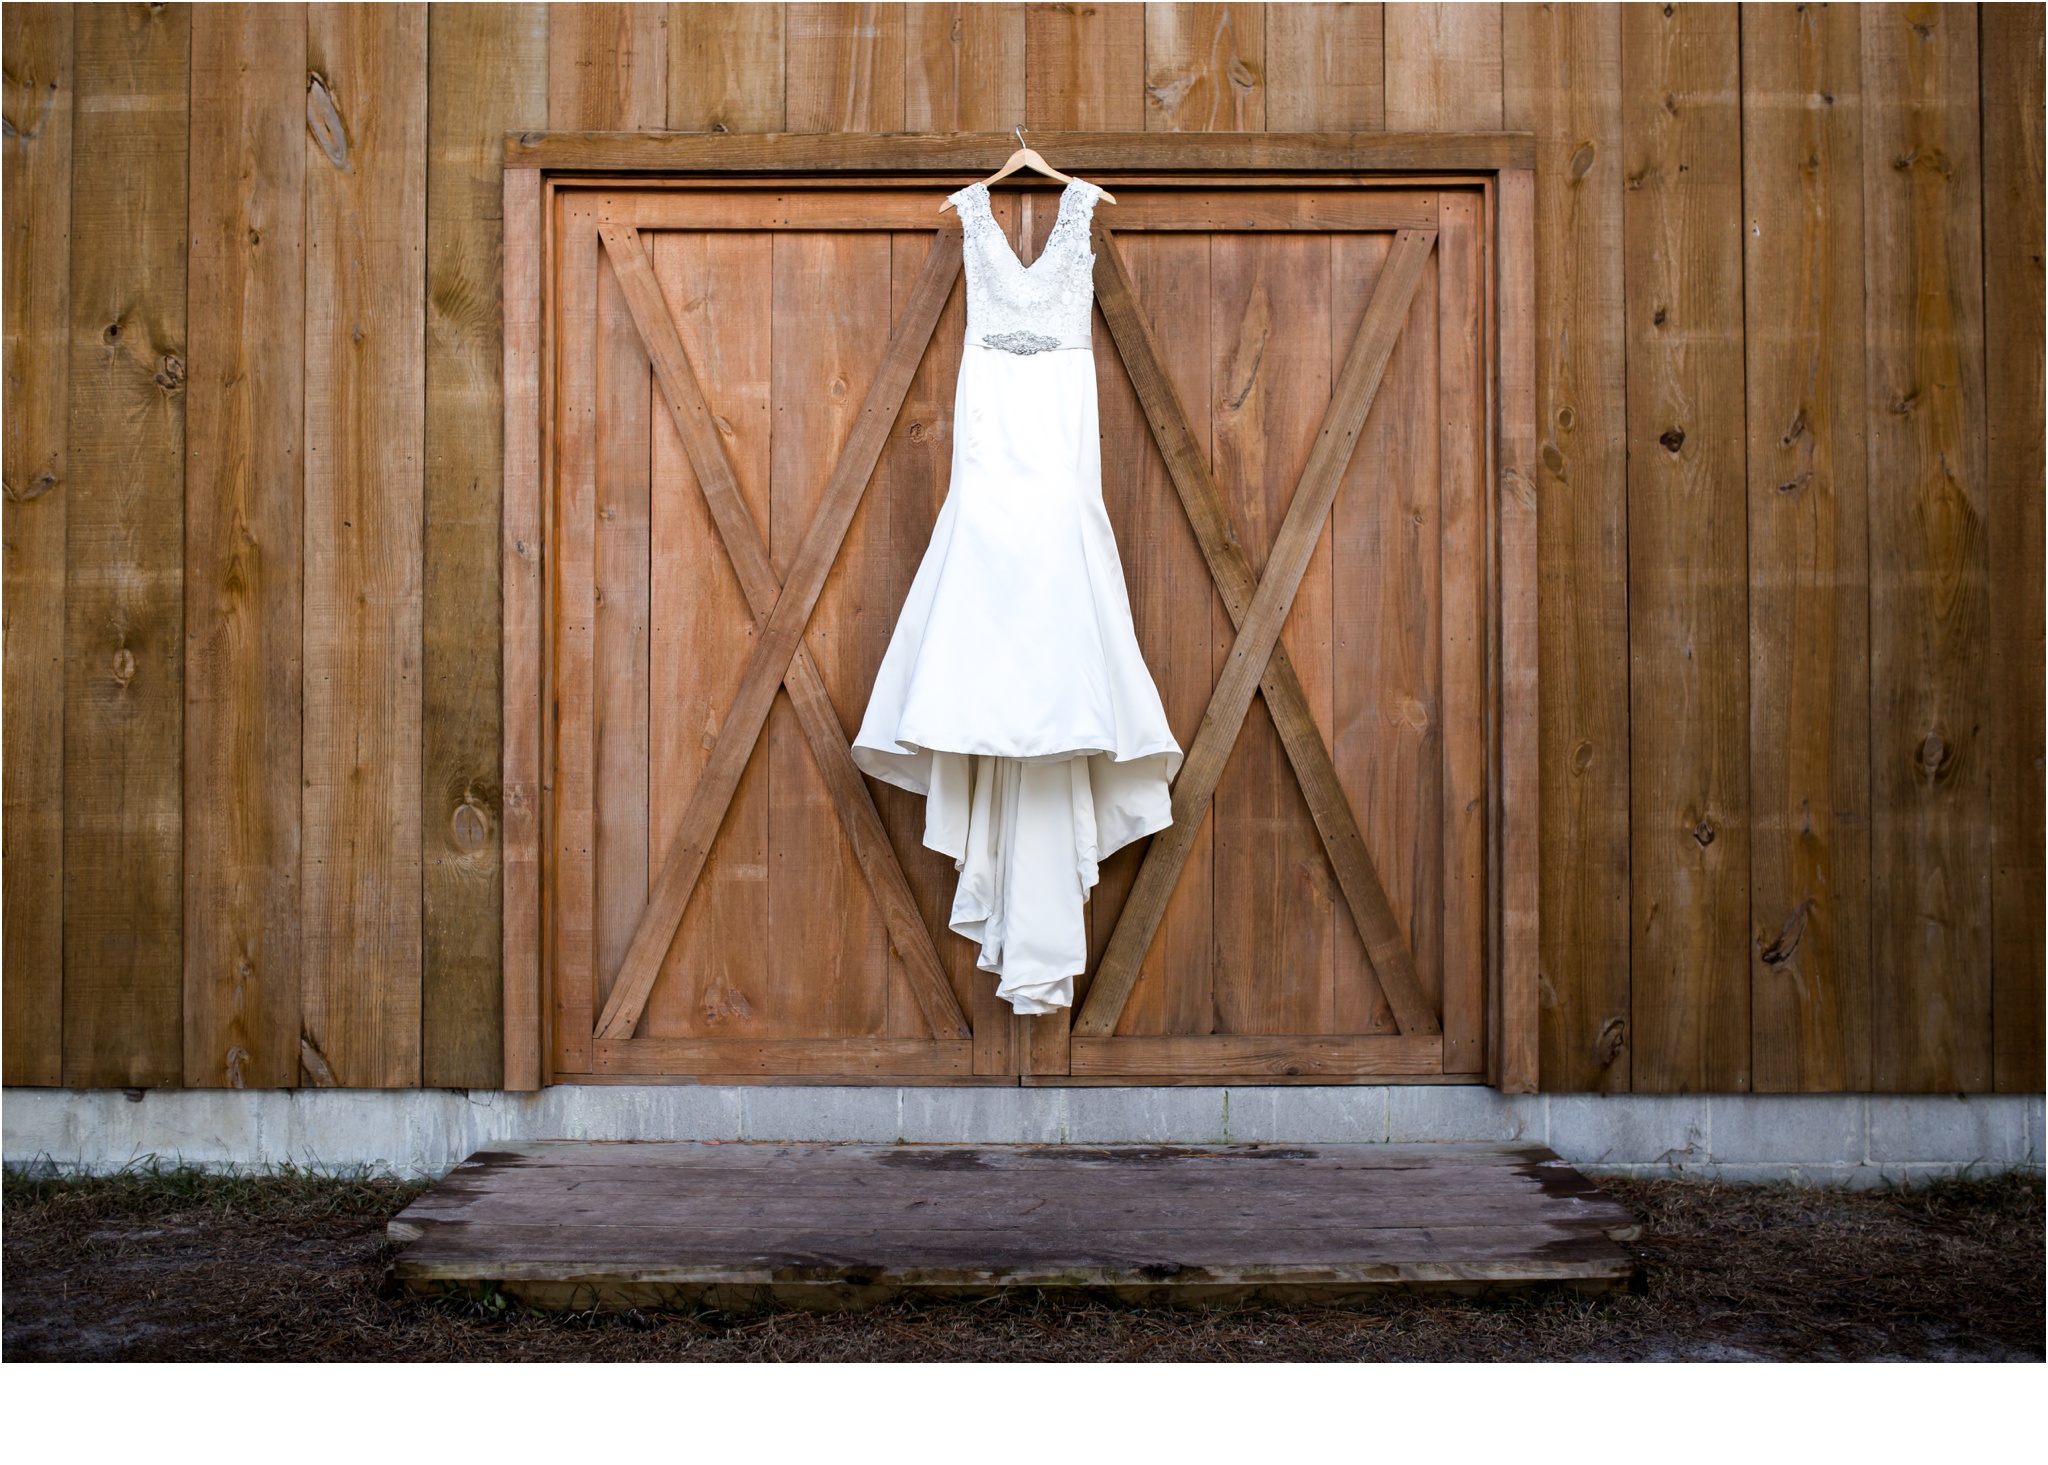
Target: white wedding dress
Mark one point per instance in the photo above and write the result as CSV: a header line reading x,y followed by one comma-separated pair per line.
x,y
1013,694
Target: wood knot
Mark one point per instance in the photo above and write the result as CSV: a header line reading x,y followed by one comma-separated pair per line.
x,y
838,386
1582,161
1673,439
1582,756
1567,419
1658,318
1553,460
1934,756
916,432
112,334
35,488
1703,833
1779,950
1610,1041
323,121
469,828
1796,431
124,666
170,373
236,1057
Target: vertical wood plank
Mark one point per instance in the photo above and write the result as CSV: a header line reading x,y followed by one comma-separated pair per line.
x,y
124,551
725,68
828,949
1688,610
1564,84
2013,301
1809,586
1931,843
486,75
1325,69
1386,525
1275,895
607,67
571,616
963,67
718,288
1443,67
1205,68
1461,307
1176,611
625,410
1513,1030
525,1047
912,477
364,465
244,541
36,217
844,68
1084,67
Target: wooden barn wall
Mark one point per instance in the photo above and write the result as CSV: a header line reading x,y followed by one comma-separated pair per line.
x,y
1790,280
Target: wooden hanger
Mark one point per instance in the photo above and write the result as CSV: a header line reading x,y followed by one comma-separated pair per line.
x,y
1026,157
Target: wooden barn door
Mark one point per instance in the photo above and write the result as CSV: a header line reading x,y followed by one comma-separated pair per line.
x,y
749,440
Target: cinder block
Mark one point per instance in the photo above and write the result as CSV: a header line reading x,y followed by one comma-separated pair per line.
x,y
1249,1116
1461,1113
1337,1115
820,1116
1804,1129
1144,1116
2037,1146
975,1116
1638,1129
653,1111
350,1129
1988,1131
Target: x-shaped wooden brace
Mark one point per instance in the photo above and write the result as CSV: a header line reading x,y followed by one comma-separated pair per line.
x,y
1258,608
784,610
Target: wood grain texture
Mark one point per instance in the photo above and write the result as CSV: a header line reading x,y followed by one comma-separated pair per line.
x,y
725,68
748,553
719,291
1809,690
831,1057
364,475
1687,606
963,67
36,161
1564,84
1252,1056
1325,71
244,543
124,552
607,66
1513,1032
844,67
2013,310
1388,529
1154,389
1466,596
619,708
1098,151
1443,66
1271,374
1185,460
1930,592
1288,561
828,950
1205,68
487,74
780,635
523,534
1084,68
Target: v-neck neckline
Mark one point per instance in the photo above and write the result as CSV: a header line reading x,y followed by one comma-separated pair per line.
x,y
1008,248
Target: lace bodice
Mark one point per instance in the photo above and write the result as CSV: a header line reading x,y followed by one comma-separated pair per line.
x,y
1044,308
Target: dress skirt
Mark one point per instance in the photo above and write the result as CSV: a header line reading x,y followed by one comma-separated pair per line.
x,y
1013,694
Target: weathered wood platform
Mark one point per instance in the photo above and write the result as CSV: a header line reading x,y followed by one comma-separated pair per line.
x,y
580,1225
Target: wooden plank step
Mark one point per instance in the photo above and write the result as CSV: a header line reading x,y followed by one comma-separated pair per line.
x,y
580,1224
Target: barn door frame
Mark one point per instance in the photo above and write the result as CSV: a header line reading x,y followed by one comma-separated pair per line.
x,y
1500,163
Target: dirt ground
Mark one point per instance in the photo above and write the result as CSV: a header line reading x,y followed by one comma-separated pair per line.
x,y
196,1267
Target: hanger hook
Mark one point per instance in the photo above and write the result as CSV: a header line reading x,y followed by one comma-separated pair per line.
x,y
1019,130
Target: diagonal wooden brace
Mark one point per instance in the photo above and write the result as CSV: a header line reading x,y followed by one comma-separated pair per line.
x,y
1258,636
1231,570
779,658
